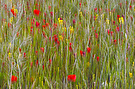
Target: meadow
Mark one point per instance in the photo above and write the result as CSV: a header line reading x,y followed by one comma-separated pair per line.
x,y
67,44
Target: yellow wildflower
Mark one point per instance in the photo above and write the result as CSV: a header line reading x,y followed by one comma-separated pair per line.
x,y
76,86
71,29
130,75
110,13
80,13
61,38
9,44
9,54
11,19
16,11
121,20
66,40
17,66
60,21
64,28
133,64
96,16
107,21
42,83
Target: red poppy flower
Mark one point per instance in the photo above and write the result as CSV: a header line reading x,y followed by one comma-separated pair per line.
x,y
13,12
42,49
36,52
97,58
130,7
19,49
17,34
72,78
49,7
24,54
88,49
47,24
58,43
118,16
56,39
13,79
70,43
114,41
9,24
108,31
95,9
111,33
43,67
81,52
70,48
37,24
73,21
96,35
37,63
43,34
80,4
36,12
51,13
50,61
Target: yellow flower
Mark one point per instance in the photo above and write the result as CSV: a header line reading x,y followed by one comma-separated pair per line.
x,y
110,13
107,21
130,75
64,28
71,29
133,64
121,20
61,38
17,66
42,83
96,16
60,21
16,11
80,13
76,86
9,44
9,54
66,40
11,19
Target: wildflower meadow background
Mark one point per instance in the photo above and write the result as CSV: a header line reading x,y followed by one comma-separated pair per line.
x,y
67,44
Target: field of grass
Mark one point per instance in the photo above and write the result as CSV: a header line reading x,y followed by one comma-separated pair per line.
x,y
67,44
